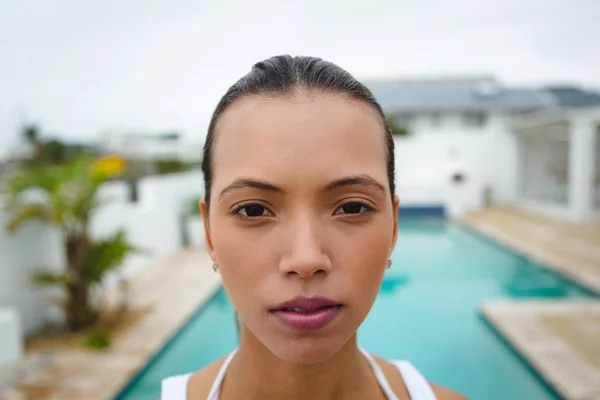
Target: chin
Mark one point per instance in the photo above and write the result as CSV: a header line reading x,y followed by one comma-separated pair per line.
x,y
305,350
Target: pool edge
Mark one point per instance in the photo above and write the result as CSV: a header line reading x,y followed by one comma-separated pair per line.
x,y
528,362
573,278
177,331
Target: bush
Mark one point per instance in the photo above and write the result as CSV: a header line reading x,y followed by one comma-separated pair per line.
x,y
96,341
192,206
170,166
395,128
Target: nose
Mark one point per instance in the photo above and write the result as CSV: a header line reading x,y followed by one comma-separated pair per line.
x,y
305,257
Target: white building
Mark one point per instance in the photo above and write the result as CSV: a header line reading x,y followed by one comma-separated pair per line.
x,y
152,146
558,162
474,127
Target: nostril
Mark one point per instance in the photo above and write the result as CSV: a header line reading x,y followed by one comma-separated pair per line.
x,y
307,274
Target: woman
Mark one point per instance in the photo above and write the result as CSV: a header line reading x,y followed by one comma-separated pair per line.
x,y
301,219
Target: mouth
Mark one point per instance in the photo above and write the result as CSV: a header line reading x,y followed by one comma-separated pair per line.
x,y
307,313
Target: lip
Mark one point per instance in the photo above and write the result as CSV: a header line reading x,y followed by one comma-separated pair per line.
x,y
316,312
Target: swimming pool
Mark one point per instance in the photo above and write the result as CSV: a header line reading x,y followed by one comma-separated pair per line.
x,y
441,273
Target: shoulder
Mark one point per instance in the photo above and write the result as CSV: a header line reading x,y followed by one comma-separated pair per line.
x,y
391,371
201,382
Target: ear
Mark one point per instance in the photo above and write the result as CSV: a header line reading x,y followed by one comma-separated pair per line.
x,y
396,208
207,237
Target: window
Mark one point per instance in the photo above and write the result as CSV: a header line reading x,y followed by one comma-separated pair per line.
x,y
475,118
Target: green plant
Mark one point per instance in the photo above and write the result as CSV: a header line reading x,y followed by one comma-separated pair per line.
x,y
66,197
96,341
170,166
395,127
48,151
192,206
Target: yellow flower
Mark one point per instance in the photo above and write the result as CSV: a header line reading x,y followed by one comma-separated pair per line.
x,y
109,166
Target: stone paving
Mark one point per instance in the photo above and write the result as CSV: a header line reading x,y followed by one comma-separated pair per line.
x,y
167,293
560,339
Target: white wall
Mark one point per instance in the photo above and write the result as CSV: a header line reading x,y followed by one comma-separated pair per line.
x,y
454,121
153,148
32,247
152,223
426,160
11,342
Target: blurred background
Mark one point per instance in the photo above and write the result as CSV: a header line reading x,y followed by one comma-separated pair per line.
x,y
105,284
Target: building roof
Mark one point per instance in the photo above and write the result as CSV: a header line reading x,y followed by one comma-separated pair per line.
x,y
479,93
574,97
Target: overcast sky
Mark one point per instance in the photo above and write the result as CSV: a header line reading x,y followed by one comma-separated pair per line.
x,y
81,67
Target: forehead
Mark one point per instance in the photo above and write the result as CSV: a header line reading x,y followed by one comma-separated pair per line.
x,y
307,137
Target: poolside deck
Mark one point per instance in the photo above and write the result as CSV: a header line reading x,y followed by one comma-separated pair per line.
x,y
161,299
560,339
570,249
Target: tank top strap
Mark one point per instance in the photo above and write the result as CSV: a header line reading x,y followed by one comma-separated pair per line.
x,y
216,386
385,386
175,388
416,384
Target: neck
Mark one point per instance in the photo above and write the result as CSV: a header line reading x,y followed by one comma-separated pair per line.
x,y
255,370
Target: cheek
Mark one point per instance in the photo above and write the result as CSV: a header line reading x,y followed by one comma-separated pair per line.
x,y
365,261
244,261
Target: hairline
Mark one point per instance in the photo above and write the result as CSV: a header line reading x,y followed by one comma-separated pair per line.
x,y
290,95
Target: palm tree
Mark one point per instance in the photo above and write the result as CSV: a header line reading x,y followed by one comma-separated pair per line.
x,y
67,198
31,134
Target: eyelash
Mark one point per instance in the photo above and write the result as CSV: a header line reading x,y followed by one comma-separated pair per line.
x,y
236,211
369,208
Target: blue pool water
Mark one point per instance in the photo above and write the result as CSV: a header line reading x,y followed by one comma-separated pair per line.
x,y
440,275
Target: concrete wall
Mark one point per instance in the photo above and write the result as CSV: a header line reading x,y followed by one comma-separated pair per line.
x,y
153,223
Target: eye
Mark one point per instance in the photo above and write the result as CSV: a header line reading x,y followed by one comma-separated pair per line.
x,y
354,207
252,210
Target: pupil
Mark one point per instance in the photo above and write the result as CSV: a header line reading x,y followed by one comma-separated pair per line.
x,y
352,208
254,211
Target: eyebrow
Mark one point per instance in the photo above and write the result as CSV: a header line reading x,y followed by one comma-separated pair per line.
x,y
355,180
243,183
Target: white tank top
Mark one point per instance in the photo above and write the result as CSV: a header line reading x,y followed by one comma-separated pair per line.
x,y
175,388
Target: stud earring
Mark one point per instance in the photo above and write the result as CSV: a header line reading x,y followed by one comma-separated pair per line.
x,y
215,268
388,264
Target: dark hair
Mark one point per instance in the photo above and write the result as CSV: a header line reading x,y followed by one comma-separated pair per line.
x,y
283,76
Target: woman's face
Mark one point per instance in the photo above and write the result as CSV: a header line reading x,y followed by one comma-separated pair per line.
x,y
301,211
